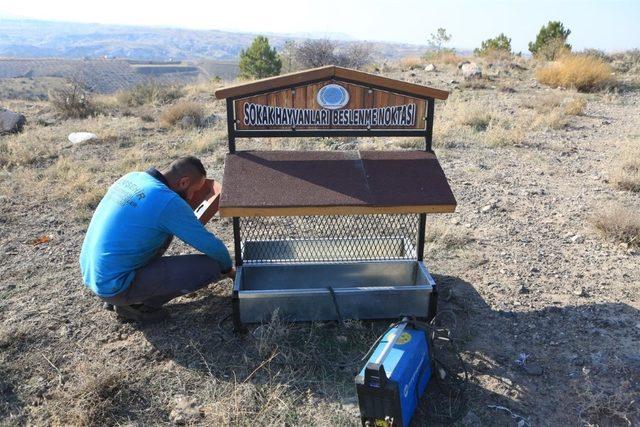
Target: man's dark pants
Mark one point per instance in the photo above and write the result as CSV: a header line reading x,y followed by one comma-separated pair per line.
x,y
168,277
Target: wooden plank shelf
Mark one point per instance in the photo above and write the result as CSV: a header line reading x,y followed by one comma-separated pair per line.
x,y
294,183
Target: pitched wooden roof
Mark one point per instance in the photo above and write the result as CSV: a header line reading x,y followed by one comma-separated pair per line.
x,y
327,73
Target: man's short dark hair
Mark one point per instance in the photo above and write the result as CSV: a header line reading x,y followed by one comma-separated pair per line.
x,y
187,165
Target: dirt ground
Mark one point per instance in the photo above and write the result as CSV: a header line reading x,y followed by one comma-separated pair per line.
x,y
520,263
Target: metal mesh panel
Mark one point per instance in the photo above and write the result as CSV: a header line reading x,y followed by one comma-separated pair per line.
x,y
328,238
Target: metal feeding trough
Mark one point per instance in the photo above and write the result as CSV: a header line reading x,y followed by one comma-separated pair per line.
x,y
331,235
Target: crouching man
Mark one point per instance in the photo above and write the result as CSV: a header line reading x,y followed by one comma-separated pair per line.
x,y
121,258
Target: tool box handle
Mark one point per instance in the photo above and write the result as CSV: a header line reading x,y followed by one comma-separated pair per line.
x,y
375,376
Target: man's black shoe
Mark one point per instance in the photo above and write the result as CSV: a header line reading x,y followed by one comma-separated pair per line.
x,y
141,313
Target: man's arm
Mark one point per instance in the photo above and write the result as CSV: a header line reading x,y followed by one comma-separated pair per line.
x,y
178,219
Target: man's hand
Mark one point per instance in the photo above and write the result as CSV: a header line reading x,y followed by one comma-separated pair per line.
x,y
231,274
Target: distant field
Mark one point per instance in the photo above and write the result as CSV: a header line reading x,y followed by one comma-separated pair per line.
x,y
108,75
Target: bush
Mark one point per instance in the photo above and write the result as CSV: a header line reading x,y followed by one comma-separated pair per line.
x,y
626,171
575,107
72,101
186,114
319,53
259,60
316,53
500,44
411,63
619,224
551,41
149,93
583,73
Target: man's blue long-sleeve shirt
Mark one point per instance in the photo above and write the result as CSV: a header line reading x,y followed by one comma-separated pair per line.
x,y
133,220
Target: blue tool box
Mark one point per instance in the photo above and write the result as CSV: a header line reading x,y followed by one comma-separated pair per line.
x,y
394,377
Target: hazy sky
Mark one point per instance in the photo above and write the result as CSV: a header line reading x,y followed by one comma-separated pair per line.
x,y
603,24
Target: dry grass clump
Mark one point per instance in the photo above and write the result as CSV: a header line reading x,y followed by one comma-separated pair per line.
x,y
411,62
581,72
72,101
626,170
185,114
618,406
618,223
502,133
97,395
445,236
575,107
149,93
474,115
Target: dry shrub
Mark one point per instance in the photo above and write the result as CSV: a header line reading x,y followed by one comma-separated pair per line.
x,y
445,236
97,395
626,170
609,407
445,57
550,111
26,148
472,114
619,224
580,72
186,114
411,62
553,119
149,93
502,133
72,101
75,183
575,107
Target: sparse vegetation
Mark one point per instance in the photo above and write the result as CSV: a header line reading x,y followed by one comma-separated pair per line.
x,y
551,41
626,167
500,44
321,52
618,223
525,163
575,106
437,44
151,92
186,114
259,60
72,101
583,73
411,63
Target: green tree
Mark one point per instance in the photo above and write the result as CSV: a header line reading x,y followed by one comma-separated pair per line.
x,y
551,41
438,39
259,60
501,43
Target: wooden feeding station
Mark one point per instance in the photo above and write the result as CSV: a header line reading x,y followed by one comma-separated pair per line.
x,y
331,235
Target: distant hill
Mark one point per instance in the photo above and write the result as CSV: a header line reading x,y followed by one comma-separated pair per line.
x,y
21,38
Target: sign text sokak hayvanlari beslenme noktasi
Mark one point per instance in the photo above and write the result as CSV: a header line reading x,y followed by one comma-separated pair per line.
x,y
266,115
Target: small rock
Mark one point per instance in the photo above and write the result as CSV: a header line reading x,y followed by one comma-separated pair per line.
x,y
486,208
11,122
185,411
80,137
461,63
46,121
523,290
471,71
341,339
577,239
210,120
188,122
471,419
582,292
532,368
430,67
